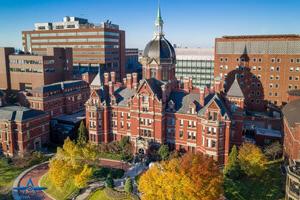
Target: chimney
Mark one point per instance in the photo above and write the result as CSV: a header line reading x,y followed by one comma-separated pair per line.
x,y
113,77
186,83
202,97
129,81
124,81
110,88
164,95
106,78
190,83
134,80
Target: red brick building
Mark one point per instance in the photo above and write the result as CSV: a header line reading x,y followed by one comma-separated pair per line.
x,y
292,144
159,109
267,66
19,71
292,128
22,130
60,98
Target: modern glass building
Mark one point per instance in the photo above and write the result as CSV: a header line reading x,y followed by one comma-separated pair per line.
x,y
196,63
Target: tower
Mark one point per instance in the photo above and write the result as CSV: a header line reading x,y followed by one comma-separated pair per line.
x,y
159,57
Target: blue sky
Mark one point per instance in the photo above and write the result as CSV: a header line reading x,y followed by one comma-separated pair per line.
x,y
192,23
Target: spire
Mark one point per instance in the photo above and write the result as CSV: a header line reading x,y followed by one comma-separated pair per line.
x,y
159,23
97,83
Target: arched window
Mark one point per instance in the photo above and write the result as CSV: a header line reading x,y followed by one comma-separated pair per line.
x,y
153,73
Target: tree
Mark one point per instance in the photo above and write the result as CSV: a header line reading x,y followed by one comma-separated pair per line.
x,y
273,150
82,134
252,160
128,185
232,168
163,152
124,141
82,178
109,182
189,177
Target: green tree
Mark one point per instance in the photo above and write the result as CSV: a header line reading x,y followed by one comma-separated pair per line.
x,y
82,134
124,141
163,152
232,168
128,185
252,160
273,150
109,181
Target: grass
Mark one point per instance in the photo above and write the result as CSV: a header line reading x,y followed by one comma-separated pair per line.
x,y
110,194
269,187
102,172
61,194
112,156
8,173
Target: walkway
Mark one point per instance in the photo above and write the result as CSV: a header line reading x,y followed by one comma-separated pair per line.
x,y
35,173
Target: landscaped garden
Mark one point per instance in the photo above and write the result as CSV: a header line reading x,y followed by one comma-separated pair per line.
x,y
111,194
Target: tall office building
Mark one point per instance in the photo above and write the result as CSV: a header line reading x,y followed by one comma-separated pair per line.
x,y
196,63
93,45
267,66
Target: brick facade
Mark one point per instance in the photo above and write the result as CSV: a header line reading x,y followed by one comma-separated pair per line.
x,y
22,130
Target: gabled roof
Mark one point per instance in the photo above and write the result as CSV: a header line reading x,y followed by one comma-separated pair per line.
x,y
209,99
291,112
155,86
183,101
97,81
123,95
235,90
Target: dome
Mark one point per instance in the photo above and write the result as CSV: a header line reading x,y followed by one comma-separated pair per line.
x,y
159,49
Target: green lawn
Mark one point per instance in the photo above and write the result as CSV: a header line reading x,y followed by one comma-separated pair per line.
x,y
8,173
110,194
63,193
269,187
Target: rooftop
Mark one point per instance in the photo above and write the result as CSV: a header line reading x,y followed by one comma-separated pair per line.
x,y
194,53
18,113
262,36
291,112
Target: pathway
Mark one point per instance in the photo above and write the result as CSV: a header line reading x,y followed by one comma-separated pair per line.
x,y
34,173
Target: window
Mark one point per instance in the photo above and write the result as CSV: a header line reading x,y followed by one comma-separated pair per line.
x,y
297,69
291,69
259,68
271,85
272,68
290,78
278,60
128,115
128,125
181,122
272,60
254,68
153,73
213,116
181,134
296,78
271,77
213,144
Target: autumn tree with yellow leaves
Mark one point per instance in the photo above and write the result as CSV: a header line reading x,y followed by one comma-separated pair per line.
x,y
193,177
71,162
252,160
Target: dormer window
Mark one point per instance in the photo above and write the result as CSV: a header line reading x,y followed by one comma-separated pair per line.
x,y
192,108
171,106
213,116
145,99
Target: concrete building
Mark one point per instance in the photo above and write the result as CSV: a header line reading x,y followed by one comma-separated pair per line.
x,y
19,71
22,130
267,66
197,63
292,145
93,45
